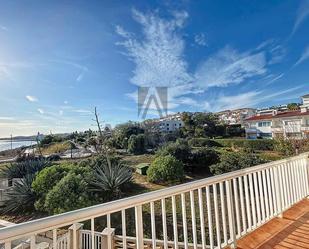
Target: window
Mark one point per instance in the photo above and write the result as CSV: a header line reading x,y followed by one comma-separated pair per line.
x,y
264,124
307,122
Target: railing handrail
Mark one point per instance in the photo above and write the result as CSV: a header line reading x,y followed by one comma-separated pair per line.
x,y
68,218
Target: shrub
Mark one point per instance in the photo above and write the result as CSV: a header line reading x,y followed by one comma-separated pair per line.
x,y
283,146
179,149
50,139
136,144
109,179
232,161
202,158
20,197
45,180
203,142
70,193
291,146
165,168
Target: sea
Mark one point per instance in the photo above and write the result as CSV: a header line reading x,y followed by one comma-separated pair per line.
x,y
6,144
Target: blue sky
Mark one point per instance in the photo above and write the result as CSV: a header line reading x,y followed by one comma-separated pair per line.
x,y
60,59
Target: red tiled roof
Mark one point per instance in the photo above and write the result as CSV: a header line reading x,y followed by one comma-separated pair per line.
x,y
278,115
261,117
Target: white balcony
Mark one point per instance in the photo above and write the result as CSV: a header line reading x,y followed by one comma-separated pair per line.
x,y
211,213
305,127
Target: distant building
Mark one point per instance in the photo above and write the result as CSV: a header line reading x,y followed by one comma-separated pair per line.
x,y
170,123
232,117
280,122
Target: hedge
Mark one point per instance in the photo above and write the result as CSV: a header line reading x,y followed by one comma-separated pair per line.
x,y
203,142
259,144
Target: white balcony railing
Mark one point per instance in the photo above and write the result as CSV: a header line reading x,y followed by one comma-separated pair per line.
x,y
209,213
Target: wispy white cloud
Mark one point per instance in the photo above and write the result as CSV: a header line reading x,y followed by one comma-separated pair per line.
x,y
40,110
303,57
302,15
274,79
200,39
249,99
229,66
6,118
82,69
277,54
31,98
158,57
66,102
82,111
61,112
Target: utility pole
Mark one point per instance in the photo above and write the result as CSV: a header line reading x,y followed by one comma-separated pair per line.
x,y
11,142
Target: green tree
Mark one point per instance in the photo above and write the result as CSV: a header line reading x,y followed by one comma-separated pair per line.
x,y
293,106
136,144
165,168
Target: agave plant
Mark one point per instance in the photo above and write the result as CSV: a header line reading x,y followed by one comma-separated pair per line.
x,y
110,178
20,197
21,169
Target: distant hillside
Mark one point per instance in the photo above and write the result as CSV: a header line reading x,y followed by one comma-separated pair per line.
x,y
20,138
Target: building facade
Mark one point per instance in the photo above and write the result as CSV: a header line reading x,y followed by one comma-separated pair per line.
x,y
170,123
237,116
280,123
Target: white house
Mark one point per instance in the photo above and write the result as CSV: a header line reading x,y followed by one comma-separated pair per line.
x,y
170,125
280,123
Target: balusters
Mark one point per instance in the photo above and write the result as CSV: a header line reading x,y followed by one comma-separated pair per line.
x,y
210,228
230,210
174,210
261,196
202,220
184,220
257,198
164,223
266,196
124,229
248,207
193,219
252,201
218,235
242,205
153,224
222,200
236,206
270,195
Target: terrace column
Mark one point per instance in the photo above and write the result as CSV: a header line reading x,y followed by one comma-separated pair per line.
x,y
74,235
108,238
